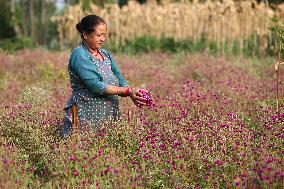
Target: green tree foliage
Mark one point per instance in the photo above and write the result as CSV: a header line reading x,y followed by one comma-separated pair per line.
x,y
23,38
278,33
7,30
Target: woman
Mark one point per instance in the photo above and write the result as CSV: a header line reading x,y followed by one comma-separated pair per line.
x,y
95,80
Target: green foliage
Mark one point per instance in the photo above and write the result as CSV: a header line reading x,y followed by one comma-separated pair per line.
x,y
278,33
251,48
33,140
145,44
17,43
47,71
25,130
275,1
6,30
213,46
201,44
235,47
12,21
167,45
141,44
270,102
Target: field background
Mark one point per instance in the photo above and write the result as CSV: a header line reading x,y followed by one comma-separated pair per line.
x,y
213,123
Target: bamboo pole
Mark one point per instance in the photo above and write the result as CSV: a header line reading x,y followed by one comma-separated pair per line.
x,y
278,63
75,129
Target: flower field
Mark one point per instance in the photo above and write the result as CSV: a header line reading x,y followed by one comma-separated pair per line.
x,y
213,124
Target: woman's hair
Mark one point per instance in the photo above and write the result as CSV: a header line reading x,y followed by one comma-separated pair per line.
x,y
89,23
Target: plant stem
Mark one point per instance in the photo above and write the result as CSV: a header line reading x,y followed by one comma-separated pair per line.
x,y
277,78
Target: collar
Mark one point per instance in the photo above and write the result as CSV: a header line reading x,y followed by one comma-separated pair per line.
x,y
82,44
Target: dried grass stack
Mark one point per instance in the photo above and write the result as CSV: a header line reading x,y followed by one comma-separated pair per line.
x,y
221,22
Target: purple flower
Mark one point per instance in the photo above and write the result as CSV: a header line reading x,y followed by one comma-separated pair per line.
x,y
134,162
147,96
237,183
218,162
162,146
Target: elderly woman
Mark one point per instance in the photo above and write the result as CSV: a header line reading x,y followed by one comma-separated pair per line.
x,y
95,79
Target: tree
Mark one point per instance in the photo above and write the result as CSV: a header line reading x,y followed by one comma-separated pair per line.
x,y
7,30
42,22
23,17
14,22
31,16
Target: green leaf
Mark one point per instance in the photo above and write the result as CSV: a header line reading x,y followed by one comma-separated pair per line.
x,y
272,29
274,19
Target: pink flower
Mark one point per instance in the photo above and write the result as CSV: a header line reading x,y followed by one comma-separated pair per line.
x,y
73,158
75,173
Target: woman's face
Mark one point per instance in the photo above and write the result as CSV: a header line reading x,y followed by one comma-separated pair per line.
x,y
96,39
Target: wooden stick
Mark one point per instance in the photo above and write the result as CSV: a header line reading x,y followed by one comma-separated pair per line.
x,y
75,113
277,77
75,130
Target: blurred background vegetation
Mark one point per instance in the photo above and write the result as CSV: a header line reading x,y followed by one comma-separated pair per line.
x,y
29,24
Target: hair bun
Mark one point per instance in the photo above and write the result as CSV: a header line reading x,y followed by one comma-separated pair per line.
x,y
79,27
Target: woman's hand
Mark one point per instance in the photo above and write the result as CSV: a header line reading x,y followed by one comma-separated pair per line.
x,y
140,99
137,98
141,91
